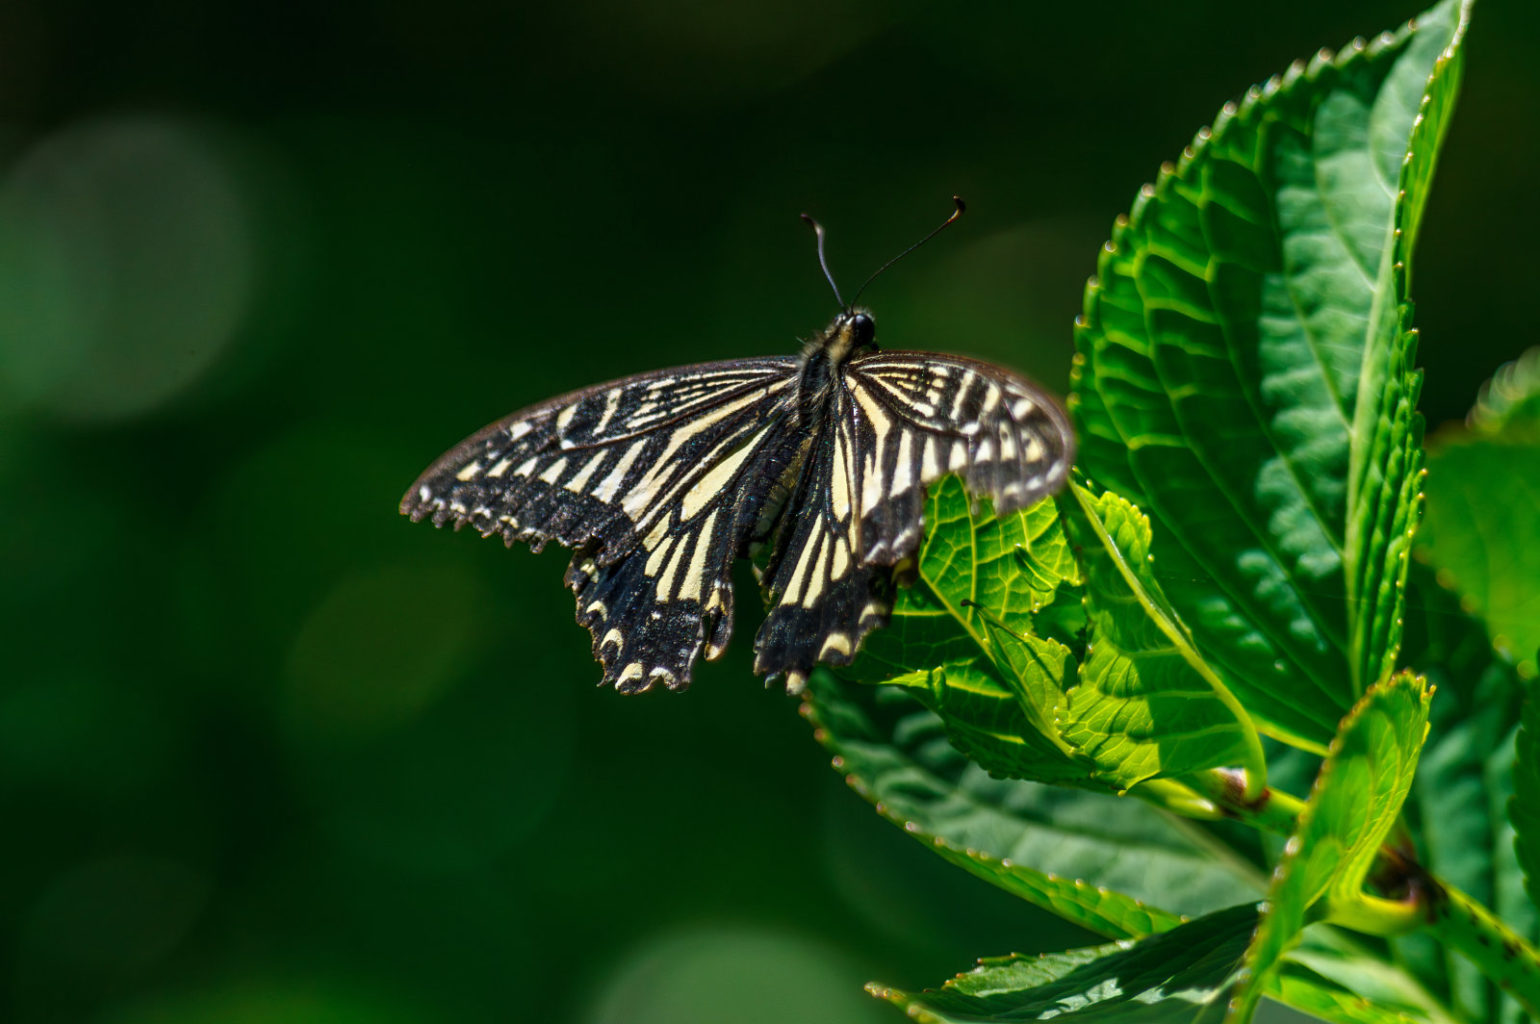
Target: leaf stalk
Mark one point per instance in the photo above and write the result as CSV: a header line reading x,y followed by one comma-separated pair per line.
x,y
1504,956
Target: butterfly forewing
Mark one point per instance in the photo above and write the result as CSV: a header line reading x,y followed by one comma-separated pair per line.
x,y
593,468
919,416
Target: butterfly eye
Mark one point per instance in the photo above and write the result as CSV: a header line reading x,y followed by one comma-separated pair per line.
x,y
863,330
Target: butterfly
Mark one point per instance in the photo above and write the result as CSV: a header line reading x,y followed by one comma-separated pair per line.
x,y
818,462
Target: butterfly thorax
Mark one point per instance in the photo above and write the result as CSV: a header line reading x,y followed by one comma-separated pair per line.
x,y
825,354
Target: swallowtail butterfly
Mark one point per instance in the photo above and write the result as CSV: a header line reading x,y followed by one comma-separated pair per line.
x,y
660,481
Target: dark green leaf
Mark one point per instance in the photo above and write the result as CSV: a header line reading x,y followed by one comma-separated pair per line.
x,y
1483,493
1243,371
1460,797
1035,841
1525,806
1183,975
1032,840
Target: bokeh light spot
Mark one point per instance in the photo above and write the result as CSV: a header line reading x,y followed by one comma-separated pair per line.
x,y
381,647
126,263
709,974
116,915
407,751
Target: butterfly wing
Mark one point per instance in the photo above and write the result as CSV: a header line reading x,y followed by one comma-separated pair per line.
x,y
919,416
591,467
655,479
661,480
822,597
899,422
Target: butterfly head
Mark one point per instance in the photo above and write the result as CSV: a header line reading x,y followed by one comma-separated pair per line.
x,y
854,329
851,331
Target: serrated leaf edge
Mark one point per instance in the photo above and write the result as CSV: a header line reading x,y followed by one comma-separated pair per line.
x,y
1176,632
1091,896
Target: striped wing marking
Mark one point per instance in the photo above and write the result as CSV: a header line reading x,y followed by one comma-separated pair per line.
x,y
656,480
599,466
919,416
823,598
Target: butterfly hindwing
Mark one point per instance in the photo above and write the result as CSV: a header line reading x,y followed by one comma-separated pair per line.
x,y
823,599
919,416
653,611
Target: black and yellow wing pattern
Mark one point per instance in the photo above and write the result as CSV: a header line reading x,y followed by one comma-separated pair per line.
x,y
646,479
660,481
899,421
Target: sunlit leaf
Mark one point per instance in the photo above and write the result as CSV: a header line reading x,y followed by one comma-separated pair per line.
x,y
1244,370
1352,807
1148,704
968,639
976,574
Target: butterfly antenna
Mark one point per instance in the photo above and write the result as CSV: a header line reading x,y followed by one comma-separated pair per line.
x,y
961,208
822,262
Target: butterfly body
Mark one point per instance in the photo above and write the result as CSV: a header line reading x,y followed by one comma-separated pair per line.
x,y
824,358
660,481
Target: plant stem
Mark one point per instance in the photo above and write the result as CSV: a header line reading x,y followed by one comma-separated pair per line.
x,y
1373,915
1271,810
1504,956
1455,920
1179,799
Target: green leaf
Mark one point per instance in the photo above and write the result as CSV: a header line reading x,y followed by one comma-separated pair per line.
x,y
1242,371
1353,804
1459,802
1032,840
1186,975
1483,495
1148,705
1352,986
978,574
1182,975
968,639
1509,403
1385,474
1525,805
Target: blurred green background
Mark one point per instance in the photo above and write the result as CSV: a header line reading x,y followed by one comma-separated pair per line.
x,y
270,752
